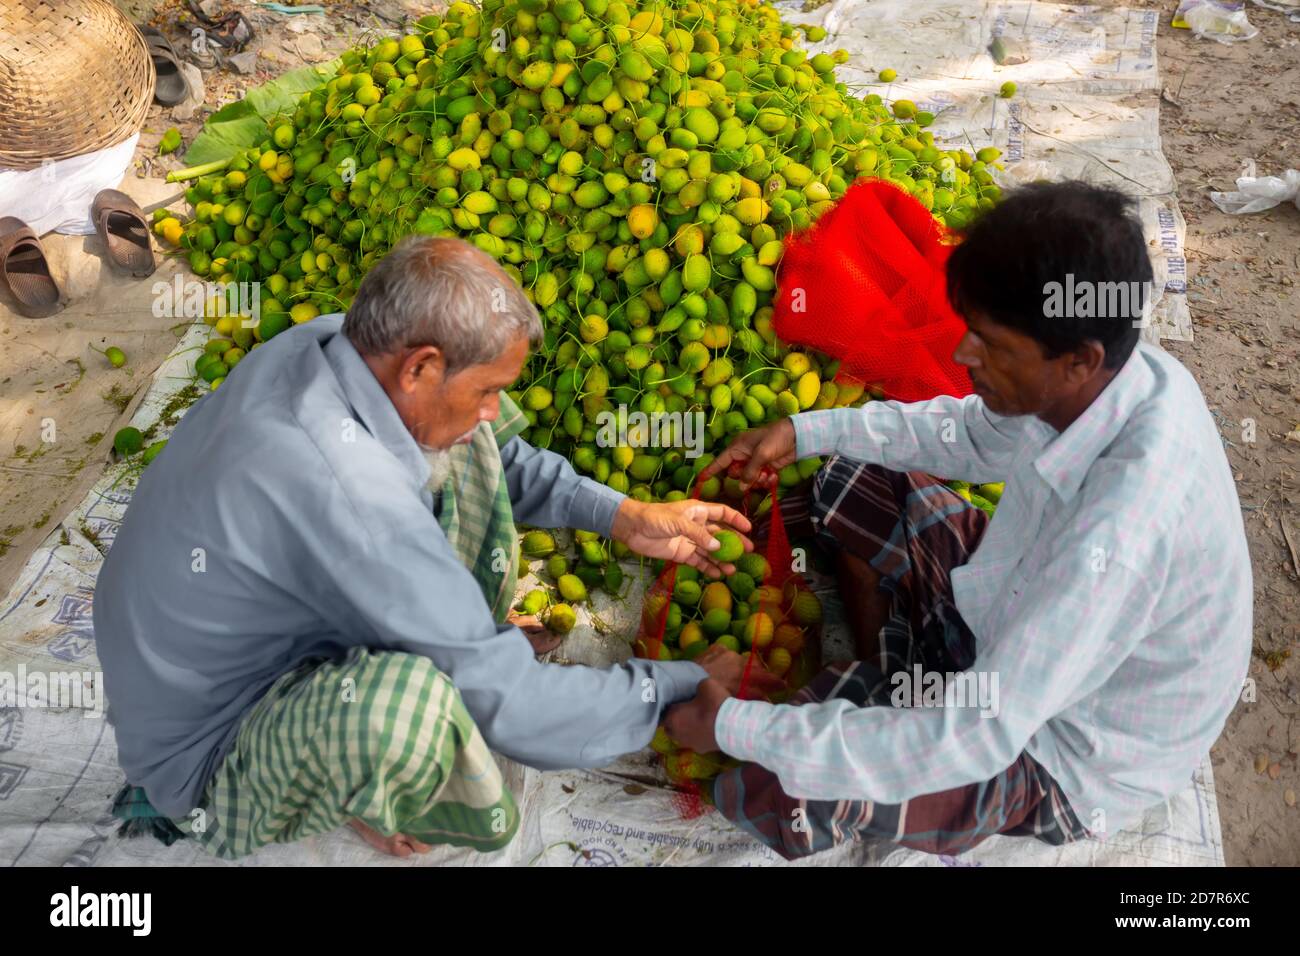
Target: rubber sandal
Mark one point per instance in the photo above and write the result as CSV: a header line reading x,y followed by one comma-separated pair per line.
x,y
26,270
232,30
172,87
120,223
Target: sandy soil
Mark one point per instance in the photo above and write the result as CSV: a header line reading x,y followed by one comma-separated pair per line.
x,y
1238,102
1224,104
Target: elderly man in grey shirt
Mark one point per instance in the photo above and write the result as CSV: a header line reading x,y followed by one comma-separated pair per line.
x,y
293,630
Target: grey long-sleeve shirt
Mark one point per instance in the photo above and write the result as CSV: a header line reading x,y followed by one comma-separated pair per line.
x,y
288,518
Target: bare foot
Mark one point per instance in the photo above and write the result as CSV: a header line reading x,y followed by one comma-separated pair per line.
x,y
399,844
542,639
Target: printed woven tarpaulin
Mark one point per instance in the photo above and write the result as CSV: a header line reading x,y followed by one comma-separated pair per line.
x,y
1073,117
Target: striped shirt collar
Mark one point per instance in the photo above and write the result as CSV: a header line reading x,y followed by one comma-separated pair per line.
x,y
1068,456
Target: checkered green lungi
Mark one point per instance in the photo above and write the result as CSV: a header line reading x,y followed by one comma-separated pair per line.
x,y
381,737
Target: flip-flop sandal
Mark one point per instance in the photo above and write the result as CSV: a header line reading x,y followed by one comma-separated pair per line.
x,y
233,31
121,225
172,87
230,30
26,271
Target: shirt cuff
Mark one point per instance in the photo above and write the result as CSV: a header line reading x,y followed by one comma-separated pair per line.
x,y
818,433
678,680
593,507
739,727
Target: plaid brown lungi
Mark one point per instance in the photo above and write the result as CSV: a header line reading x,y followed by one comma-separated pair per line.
x,y
914,531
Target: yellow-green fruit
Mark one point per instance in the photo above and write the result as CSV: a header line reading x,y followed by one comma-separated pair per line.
x,y
688,592
538,544
796,364
612,579
807,610
571,588
789,637
742,586
1008,90
716,622
557,566
537,398
807,389
904,109
561,619
717,596
779,661
758,631
691,633
751,211
642,220
888,76
755,565
534,601
730,547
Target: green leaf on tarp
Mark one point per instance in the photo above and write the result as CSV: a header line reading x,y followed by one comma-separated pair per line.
x,y
242,124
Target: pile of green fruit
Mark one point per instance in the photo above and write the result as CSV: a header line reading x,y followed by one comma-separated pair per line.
x,y
742,612
596,567
739,612
633,164
985,497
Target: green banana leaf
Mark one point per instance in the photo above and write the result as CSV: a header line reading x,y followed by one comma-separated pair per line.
x,y
242,124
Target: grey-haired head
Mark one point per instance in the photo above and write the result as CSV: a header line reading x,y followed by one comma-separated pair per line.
x,y
445,330
440,292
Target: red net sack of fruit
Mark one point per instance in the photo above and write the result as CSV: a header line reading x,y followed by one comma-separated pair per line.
x,y
866,285
765,610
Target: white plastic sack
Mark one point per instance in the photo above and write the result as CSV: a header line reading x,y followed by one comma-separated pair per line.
x,y
1257,193
1223,21
57,195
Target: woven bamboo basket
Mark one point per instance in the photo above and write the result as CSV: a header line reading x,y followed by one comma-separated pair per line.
x,y
75,76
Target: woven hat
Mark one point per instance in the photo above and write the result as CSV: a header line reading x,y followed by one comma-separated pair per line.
x,y
75,77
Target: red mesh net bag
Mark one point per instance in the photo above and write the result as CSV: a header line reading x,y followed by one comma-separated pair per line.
x,y
866,285
771,615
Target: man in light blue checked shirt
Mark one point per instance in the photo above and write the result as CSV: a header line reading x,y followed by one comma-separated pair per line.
x,y
1107,602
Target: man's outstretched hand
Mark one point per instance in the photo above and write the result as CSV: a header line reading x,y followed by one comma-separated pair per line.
x,y
690,723
728,669
771,447
538,634
679,531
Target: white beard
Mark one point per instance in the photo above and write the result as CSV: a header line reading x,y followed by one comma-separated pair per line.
x,y
439,460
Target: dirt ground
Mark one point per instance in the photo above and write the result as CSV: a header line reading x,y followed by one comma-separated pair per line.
x,y
1234,103
1223,104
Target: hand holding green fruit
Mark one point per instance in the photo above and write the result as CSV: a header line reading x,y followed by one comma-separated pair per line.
x,y
771,447
681,531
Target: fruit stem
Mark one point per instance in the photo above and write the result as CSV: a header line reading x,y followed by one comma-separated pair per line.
x,y
194,172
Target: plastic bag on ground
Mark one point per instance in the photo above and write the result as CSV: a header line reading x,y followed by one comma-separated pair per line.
x,y
1257,193
1223,21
